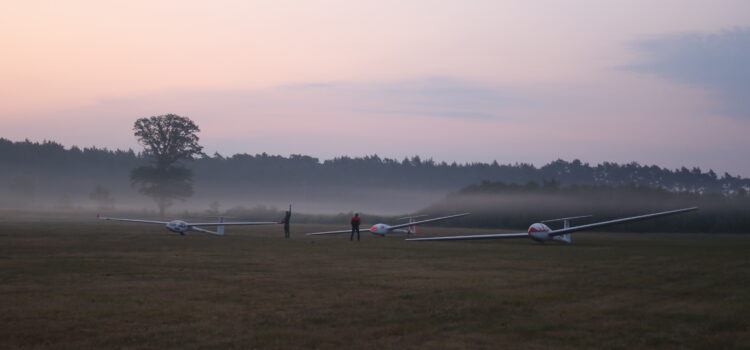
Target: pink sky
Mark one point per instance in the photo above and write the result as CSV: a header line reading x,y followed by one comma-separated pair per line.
x,y
452,80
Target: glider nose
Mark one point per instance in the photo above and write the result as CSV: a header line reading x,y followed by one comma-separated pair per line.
x,y
378,230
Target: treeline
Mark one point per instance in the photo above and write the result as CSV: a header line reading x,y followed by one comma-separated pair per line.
x,y
38,171
31,170
52,158
417,173
516,206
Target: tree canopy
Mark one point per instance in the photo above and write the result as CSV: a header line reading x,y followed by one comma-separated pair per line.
x,y
168,138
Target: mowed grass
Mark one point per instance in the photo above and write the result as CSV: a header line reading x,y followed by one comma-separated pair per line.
x,y
83,283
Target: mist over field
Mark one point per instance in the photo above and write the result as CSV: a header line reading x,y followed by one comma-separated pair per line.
x,y
513,206
213,198
48,176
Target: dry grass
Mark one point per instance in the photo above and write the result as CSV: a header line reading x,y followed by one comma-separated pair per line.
x,y
80,283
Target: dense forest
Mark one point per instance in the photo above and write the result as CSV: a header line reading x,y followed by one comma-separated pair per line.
x,y
48,171
515,206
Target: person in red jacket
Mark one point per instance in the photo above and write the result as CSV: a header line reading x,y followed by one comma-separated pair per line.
x,y
355,226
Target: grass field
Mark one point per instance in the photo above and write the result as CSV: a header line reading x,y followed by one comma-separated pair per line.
x,y
83,283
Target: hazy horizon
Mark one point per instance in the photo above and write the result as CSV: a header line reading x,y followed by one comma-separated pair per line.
x,y
138,149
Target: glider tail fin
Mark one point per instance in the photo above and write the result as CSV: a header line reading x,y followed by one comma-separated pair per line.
x,y
220,229
566,221
566,238
411,228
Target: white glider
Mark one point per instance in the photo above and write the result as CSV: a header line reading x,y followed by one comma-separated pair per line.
x,y
542,233
183,227
384,229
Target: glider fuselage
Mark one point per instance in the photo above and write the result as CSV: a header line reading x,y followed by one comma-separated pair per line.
x,y
177,226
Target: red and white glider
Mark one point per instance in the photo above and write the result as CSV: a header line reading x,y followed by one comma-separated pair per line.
x,y
542,233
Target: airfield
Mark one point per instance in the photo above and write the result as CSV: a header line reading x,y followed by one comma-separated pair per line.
x,y
71,281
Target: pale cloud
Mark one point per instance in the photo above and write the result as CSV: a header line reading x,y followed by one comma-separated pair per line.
x,y
717,61
441,97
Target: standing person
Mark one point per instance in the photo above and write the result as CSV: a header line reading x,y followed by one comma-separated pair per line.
x,y
287,218
355,226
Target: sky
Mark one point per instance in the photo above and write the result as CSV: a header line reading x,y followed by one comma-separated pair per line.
x,y
656,82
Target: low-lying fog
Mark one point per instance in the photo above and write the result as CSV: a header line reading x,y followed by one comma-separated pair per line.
x,y
311,200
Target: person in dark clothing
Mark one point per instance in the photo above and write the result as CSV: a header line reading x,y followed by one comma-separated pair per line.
x,y
287,218
355,226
